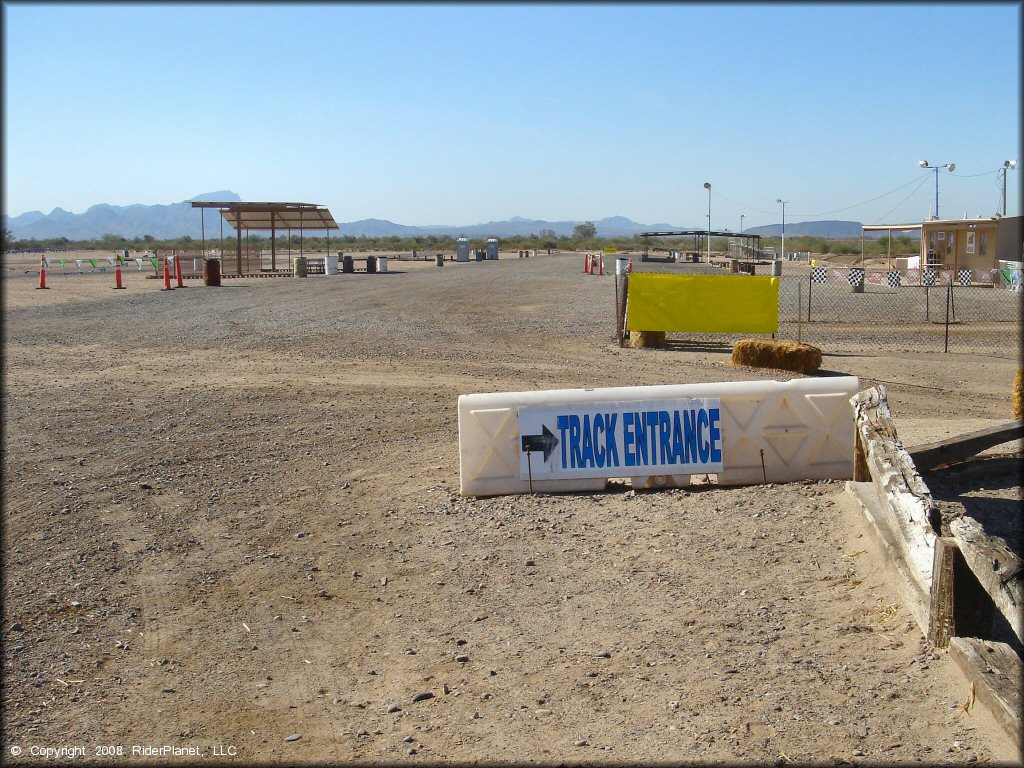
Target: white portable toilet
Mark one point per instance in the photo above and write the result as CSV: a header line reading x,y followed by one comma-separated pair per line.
x,y
462,249
492,249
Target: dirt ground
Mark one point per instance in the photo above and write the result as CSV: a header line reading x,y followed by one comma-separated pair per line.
x,y
232,528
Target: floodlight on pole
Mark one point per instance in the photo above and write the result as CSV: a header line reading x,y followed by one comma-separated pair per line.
x,y
950,166
780,200
742,216
707,186
1008,165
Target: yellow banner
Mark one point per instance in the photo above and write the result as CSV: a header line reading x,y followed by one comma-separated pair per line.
x,y
703,303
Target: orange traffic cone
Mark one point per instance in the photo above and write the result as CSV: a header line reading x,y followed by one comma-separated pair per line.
x,y
629,267
42,274
167,276
117,278
600,264
586,263
177,270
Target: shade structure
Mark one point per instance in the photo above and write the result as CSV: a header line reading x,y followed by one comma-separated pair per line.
x,y
270,217
753,241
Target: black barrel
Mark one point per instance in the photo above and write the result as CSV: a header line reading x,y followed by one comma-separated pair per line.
x,y
211,272
371,264
347,265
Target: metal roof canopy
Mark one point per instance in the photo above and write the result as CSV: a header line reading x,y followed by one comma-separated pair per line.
x,y
698,232
272,216
889,227
269,217
701,233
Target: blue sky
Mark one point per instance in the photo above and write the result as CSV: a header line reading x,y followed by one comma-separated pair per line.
x,y
460,114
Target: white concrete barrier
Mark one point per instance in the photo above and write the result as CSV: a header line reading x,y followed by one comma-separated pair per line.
x,y
744,432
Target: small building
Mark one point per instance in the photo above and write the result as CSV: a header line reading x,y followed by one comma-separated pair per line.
x,y
963,243
959,243
462,249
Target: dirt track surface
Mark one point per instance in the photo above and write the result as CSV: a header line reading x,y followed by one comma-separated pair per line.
x,y
231,517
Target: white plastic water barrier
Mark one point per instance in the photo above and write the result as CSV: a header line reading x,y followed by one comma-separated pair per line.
x,y
744,432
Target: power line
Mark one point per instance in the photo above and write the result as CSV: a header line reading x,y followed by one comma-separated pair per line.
x,y
743,205
857,205
974,175
918,180
901,202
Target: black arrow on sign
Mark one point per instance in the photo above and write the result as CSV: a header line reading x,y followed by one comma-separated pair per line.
x,y
546,442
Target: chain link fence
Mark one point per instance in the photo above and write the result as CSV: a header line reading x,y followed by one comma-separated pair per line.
x,y
858,309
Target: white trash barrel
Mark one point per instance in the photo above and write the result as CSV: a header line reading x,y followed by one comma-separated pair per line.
x,y
330,265
382,263
620,266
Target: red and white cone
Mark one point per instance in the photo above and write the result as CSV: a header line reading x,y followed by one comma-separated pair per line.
x,y
42,274
586,263
177,271
117,278
600,264
167,276
629,267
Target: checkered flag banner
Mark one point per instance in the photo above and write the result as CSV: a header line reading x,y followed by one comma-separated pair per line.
x,y
928,277
819,274
964,277
856,276
892,279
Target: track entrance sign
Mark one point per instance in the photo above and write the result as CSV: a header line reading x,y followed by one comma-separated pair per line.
x,y
591,440
740,432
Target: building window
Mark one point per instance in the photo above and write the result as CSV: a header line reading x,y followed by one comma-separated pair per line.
x,y
942,235
983,241
970,243
950,245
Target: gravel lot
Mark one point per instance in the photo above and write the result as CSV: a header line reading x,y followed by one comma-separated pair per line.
x,y
232,521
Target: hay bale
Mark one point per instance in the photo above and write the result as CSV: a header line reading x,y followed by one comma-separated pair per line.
x,y
783,355
1018,392
641,339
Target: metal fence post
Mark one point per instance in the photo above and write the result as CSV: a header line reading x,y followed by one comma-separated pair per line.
x,y
800,308
810,281
949,301
622,292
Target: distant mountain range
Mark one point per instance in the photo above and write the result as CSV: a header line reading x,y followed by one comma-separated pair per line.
x,y
180,219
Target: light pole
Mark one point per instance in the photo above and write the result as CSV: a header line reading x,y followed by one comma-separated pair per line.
x,y
707,186
742,216
780,200
950,166
1008,165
